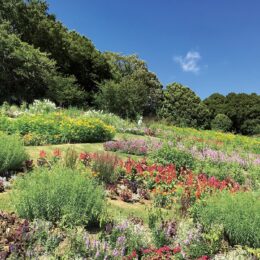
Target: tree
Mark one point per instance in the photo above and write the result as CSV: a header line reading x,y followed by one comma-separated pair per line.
x,y
242,107
75,54
221,122
182,107
133,89
216,104
26,73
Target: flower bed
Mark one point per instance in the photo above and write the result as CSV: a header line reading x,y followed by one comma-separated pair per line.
x,y
57,128
136,147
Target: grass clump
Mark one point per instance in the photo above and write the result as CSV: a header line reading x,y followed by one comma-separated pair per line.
x,y
12,153
238,213
59,195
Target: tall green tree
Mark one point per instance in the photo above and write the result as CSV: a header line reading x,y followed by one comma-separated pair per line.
x,y
75,54
138,90
27,73
243,109
182,107
216,104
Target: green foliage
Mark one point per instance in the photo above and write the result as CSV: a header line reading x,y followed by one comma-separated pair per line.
x,y
42,106
27,73
242,109
12,153
128,236
155,223
59,195
182,107
251,127
75,54
221,122
216,104
111,119
70,158
206,243
133,88
56,128
238,213
105,166
168,154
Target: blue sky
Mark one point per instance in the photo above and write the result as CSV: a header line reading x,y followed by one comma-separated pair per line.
x,y
208,45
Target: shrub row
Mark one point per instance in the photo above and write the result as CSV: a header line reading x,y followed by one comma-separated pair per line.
x,y
57,128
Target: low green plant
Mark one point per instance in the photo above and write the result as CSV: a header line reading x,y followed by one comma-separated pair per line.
x,y
238,213
155,223
12,153
59,195
105,166
70,158
125,237
168,154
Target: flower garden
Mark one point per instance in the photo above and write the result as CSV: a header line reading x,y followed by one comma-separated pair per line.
x,y
90,185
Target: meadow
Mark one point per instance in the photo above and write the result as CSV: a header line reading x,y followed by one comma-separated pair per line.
x,y
80,184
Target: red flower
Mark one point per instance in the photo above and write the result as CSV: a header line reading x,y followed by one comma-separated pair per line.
x,y
42,154
204,257
176,249
84,156
133,255
57,153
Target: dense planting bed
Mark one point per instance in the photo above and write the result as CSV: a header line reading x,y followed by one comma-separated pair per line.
x,y
57,128
180,201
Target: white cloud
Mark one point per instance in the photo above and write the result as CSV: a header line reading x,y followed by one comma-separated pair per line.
x,y
189,63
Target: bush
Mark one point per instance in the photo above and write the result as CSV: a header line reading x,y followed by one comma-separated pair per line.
x,y
42,106
127,236
251,127
221,122
238,213
59,194
109,118
105,166
56,128
170,155
12,153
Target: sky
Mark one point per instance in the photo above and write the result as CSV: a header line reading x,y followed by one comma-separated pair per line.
x,y
208,45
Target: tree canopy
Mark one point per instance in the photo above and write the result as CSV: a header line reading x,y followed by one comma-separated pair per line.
x,y
26,73
42,58
182,107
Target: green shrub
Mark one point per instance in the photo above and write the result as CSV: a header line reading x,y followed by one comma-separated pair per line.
x,y
127,237
57,128
42,106
70,158
169,154
59,195
6,124
110,119
12,153
238,213
221,122
251,127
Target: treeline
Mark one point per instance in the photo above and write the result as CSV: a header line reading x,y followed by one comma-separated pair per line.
x,y
41,58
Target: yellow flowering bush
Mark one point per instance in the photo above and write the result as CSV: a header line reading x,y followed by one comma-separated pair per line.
x,y
56,128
